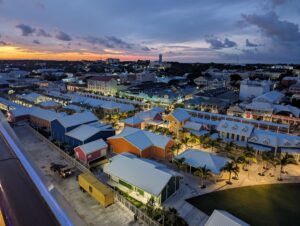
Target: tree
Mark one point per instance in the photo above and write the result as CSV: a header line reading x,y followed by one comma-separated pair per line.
x,y
204,174
229,147
235,77
266,158
231,167
176,146
284,161
247,158
185,141
180,163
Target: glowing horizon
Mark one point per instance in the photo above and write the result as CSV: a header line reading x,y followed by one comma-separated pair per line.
x,y
18,53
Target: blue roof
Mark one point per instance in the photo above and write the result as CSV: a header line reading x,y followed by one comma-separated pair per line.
x,y
132,120
180,115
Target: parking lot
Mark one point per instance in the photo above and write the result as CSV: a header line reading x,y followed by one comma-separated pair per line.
x,y
81,208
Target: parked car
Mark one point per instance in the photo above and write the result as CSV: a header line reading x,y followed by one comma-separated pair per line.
x,y
63,170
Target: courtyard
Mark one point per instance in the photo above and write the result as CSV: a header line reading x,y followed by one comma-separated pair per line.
x,y
261,205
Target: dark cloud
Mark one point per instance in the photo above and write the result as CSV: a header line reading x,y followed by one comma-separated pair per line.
x,y
43,33
25,29
145,48
272,26
36,42
2,43
216,43
109,42
60,35
39,4
250,44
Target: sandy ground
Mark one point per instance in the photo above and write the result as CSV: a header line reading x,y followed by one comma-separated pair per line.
x,y
81,208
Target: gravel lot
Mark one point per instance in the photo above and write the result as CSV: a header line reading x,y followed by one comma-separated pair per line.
x,y
82,209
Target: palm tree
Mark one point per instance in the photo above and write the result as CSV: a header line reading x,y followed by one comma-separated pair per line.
x,y
185,141
229,147
176,146
204,174
231,167
247,158
284,161
266,158
180,163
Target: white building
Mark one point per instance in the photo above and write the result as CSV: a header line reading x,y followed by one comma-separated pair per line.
x,y
221,217
145,76
108,85
250,89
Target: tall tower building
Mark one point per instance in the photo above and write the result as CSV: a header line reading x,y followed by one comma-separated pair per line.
x,y
160,58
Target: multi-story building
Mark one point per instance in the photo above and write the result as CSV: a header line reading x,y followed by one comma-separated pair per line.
x,y
145,76
210,82
108,85
250,89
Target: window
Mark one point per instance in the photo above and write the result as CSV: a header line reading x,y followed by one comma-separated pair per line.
x,y
125,184
91,189
232,136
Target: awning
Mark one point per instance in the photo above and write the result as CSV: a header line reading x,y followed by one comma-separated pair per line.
x,y
199,133
259,147
291,150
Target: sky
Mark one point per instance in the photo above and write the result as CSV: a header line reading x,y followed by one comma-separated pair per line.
x,y
221,31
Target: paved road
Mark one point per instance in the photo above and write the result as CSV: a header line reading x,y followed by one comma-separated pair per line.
x,y
19,198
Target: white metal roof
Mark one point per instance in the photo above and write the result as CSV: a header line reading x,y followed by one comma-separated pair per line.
x,y
73,107
150,114
270,97
223,218
192,126
132,120
93,146
180,115
77,119
261,106
142,139
272,139
85,131
139,172
238,128
47,115
197,158
49,103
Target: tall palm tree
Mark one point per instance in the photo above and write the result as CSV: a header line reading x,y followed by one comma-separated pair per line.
x,y
180,163
231,167
229,147
247,157
284,161
266,158
175,148
204,174
185,141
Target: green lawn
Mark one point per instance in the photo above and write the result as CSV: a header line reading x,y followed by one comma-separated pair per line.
x,y
261,205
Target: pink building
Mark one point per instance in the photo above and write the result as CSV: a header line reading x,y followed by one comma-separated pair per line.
x,y
91,151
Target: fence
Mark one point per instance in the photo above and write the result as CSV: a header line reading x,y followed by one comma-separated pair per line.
x,y
136,211
70,159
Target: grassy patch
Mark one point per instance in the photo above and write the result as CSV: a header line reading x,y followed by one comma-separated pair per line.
x,y
257,205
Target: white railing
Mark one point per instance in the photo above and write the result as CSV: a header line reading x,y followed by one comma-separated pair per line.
x,y
136,211
12,141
